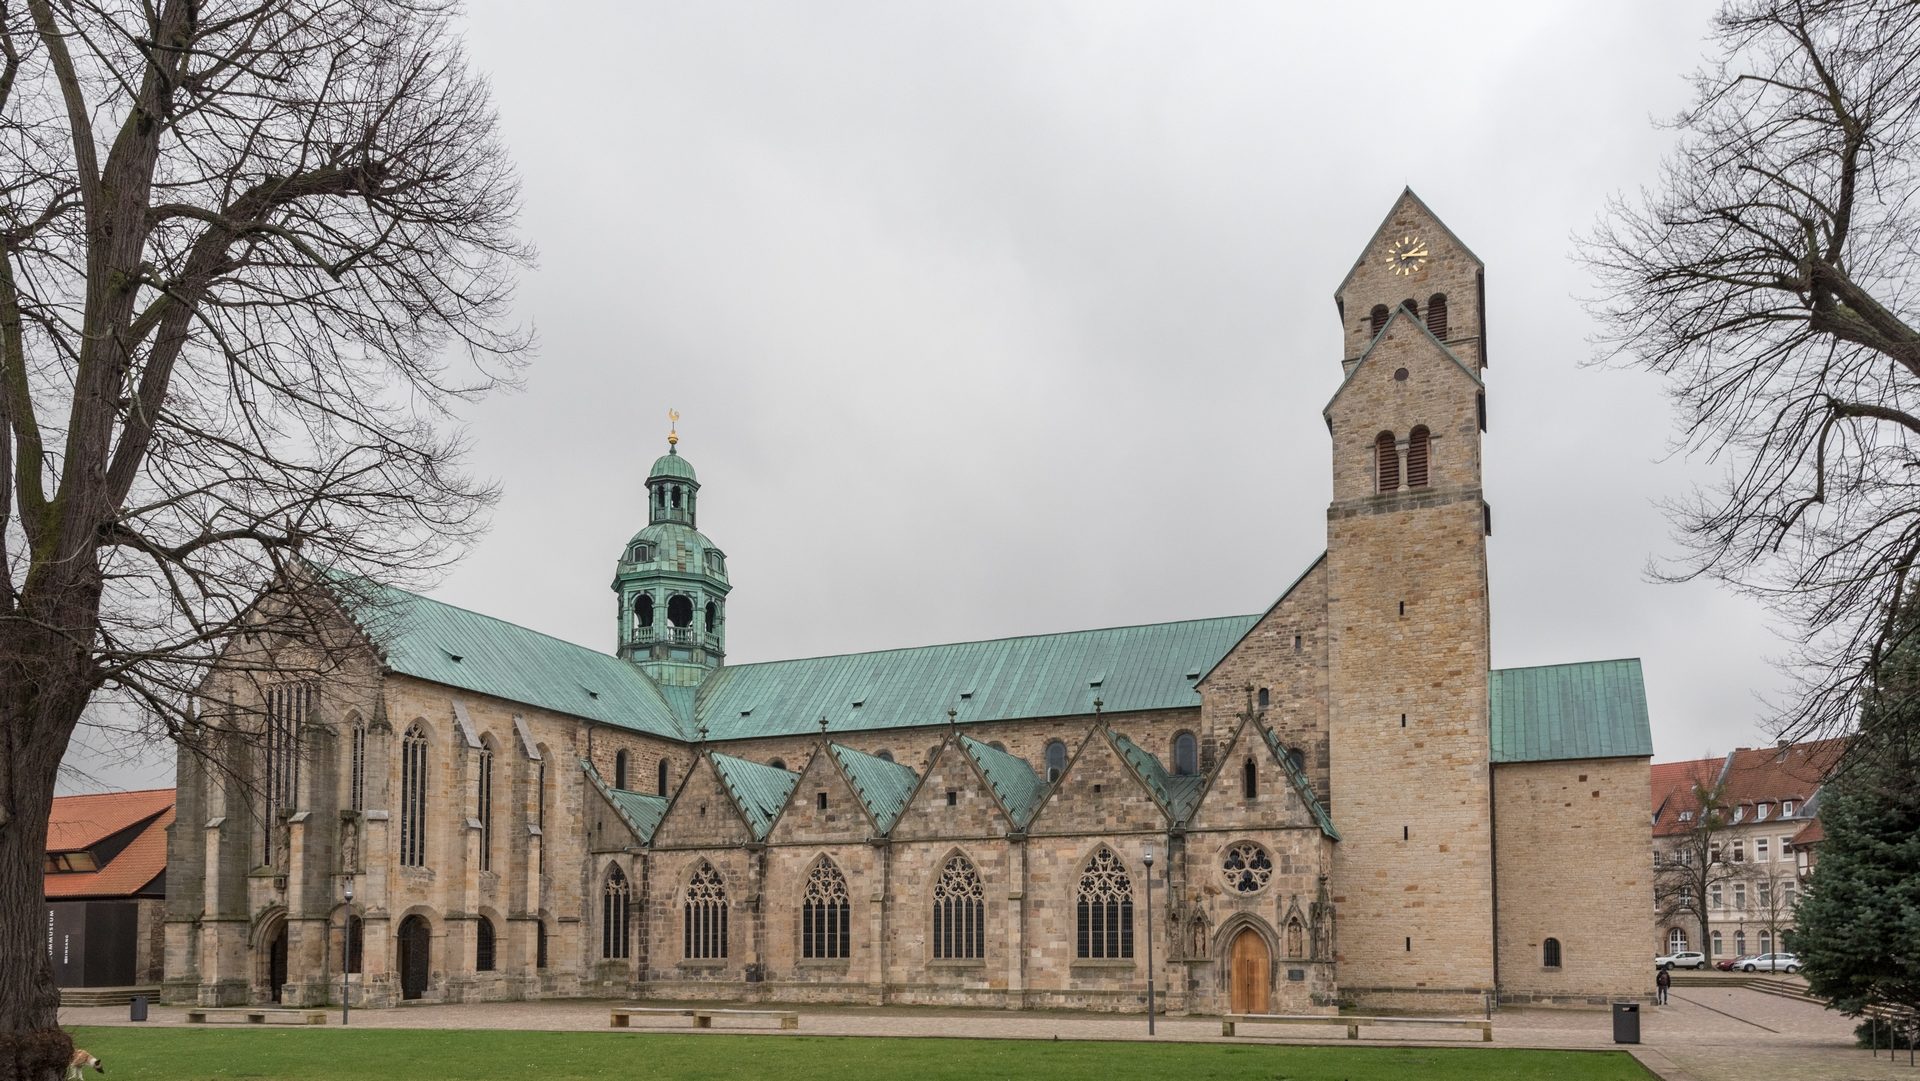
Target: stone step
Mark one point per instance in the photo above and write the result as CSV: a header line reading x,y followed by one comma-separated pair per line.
x,y
107,996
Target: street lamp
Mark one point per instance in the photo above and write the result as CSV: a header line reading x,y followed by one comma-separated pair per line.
x,y
1149,858
346,950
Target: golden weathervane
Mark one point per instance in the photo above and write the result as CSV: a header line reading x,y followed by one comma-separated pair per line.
x,y
673,425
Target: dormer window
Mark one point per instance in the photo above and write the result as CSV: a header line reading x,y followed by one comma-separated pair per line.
x,y
641,553
1686,816
1786,808
716,561
1739,814
1760,812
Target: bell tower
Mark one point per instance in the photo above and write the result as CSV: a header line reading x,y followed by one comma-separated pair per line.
x,y
1408,622
671,581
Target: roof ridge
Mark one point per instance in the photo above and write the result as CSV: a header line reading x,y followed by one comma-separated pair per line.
x,y
1566,664
120,792
506,622
984,641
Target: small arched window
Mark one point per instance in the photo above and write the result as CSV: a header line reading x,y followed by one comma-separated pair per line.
x,y
1265,697
620,762
1186,754
1298,758
661,772
1379,317
997,745
413,796
1676,940
643,609
713,616
676,497
705,933
825,913
1437,315
884,756
616,900
777,763
680,610
1417,457
1550,953
1249,779
1386,459
483,801
483,945
1056,760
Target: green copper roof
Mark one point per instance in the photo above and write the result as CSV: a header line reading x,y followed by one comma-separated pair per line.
x,y
1597,709
1301,784
670,466
1046,675
1176,794
759,791
883,786
433,641
642,813
1014,782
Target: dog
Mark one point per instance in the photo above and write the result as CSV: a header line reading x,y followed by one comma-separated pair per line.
x,y
82,1062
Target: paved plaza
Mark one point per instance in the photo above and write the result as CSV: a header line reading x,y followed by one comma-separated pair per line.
x,y
1706,1034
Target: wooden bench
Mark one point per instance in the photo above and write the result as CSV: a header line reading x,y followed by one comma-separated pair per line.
x,y
622,1017
1230,1022
251,1016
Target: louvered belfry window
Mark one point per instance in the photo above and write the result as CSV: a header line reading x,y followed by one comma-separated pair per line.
x,y
1104,914
825,914
1417,451
1379,317
1386,460
1437,315
959,912
705,934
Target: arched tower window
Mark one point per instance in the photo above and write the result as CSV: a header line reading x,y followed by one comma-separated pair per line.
x,y
1550,953
959,911
676,497
643,609
1417,457
713,616
661,770
1186,754
616,901
1410,307
1104,909
825,914
1379,317
483,801
1437,315
1265,697
483,945
620,761
680,610
1249,779
1056,760
705,933
413,796
1386,460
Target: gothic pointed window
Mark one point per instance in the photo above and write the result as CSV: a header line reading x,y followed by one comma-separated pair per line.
x,y
1056,760
1186,755
1417,441
539,943
1104,909
1437,315
287,706
620,762
1386,461
704,935
356,940
1379,316
825,914
483,946
483,801
616,906
959,912
357,772
413,796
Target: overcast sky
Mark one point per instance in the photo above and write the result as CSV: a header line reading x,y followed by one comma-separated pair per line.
x,y
991,319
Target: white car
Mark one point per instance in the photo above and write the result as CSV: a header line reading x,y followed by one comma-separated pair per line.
x,y
1683,959
1771,962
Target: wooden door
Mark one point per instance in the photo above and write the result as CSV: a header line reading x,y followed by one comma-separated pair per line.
x,y
415,957
277,963
1250,971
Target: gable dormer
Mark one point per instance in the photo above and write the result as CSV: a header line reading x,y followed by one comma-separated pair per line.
x,y
1414,263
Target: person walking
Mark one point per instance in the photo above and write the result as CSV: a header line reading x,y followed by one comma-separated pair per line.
x,y
1661,982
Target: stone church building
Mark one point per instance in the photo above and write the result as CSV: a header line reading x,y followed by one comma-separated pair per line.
x,y
1341,800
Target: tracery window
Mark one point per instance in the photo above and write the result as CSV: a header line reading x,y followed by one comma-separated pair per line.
x,y
483,946
1105,909
484,802
288,706
705,933
616,899
1247,868
825,914
959,911
357,772
413,796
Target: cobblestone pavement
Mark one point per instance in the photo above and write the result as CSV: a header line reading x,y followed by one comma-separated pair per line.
x,y
1706,1034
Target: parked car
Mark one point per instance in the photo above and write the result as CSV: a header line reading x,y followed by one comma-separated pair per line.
x,y
1771,962
1683,959
1729,964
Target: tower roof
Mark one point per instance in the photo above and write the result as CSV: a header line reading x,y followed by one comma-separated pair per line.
x,y
670,466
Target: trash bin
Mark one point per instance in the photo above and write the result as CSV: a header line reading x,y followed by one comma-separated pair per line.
x,y
1626,1022
139,1010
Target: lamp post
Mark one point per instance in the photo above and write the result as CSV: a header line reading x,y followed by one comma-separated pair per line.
x,y
1149,858
346,950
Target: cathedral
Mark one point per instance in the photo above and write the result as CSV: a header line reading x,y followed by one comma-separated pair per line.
x,y
1334,801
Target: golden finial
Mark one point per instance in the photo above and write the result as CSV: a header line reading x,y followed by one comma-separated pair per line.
x,y
673,424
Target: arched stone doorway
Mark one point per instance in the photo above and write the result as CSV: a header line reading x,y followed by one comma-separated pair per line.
x,y
272,945
1249,972
415,944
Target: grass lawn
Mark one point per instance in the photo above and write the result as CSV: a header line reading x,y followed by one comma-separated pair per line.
x,y
169,1054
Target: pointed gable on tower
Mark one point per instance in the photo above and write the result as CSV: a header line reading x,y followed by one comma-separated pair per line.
x,y
1414,263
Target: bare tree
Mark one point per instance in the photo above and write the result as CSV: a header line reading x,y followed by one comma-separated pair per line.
x,y
1770,275
1689,865
251,252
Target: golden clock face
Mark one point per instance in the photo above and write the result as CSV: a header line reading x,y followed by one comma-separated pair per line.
x,y
1406,255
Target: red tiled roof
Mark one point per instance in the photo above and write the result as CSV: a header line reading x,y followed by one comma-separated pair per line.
x,y
84,821
1673,792
1772,774
124,875
1810,834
